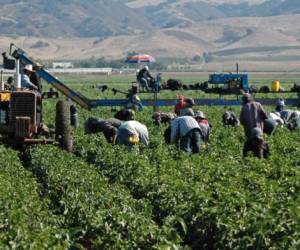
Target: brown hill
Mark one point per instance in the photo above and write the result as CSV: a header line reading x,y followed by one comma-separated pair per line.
x,y
238,37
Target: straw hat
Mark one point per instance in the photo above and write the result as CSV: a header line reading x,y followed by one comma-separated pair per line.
x,y
199,114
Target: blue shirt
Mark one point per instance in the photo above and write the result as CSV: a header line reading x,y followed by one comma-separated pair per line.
x,y
26,83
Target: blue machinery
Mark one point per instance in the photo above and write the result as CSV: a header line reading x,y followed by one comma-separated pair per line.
x,y
86,103
227,79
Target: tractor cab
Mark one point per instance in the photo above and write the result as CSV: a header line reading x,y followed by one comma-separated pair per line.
x,y
21,115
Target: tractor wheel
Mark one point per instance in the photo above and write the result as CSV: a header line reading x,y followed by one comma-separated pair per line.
x,y
62,126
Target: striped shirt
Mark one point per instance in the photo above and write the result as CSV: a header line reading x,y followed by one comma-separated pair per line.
x,y
180,126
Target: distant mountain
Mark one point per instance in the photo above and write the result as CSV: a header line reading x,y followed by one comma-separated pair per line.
x,y
182,13
168,28
268,8
70,18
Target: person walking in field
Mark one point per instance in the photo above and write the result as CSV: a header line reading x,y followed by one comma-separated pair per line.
x,y
186,131
131,133
256,144
252,114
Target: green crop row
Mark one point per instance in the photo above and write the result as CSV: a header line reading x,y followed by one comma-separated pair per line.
x,y
99,215
25,221
217,199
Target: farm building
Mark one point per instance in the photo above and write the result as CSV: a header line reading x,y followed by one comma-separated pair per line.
x,y
62,65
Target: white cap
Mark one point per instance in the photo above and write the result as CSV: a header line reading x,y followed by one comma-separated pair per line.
x,y
146,67
28,67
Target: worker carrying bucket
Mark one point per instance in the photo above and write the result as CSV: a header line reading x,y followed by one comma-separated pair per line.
x,y
275,86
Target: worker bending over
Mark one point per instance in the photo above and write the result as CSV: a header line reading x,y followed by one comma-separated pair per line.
x,y
108,127
205,127
256,144
186,131
131,133
160,117
230,119
187,110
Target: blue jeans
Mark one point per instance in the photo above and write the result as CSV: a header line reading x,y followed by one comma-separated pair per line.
x,y
191,142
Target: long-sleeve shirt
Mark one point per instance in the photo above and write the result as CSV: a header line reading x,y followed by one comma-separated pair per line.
x,y
252,116
180,126
26,83
137,129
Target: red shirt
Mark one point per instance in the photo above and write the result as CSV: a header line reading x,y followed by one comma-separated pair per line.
x,y
179,105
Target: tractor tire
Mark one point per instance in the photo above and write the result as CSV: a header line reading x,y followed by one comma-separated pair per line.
x,y
62,126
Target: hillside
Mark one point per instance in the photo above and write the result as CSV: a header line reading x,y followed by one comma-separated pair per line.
x,y
223,29
69,18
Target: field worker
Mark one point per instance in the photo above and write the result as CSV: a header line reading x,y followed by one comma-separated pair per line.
x,y
256,144
180,105
280,105
35,77
188,108
159,117
134,103
276,117
144,77
186,130
108,127
294,123
269,125
205,127
9,84
288,115
125,115
25,78
230,119
252,114
131,133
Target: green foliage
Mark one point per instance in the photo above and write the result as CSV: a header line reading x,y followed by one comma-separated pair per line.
x,y
214,200
25,221
107,197
99,214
